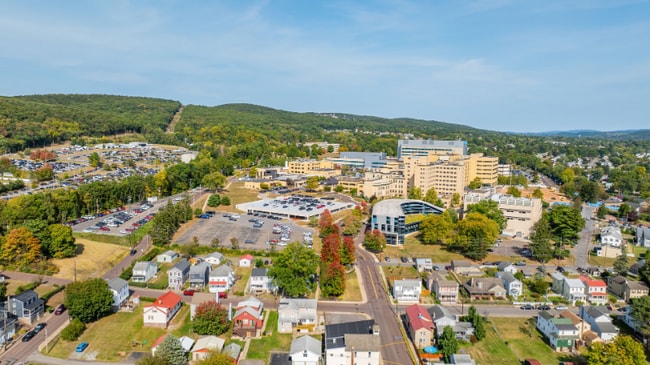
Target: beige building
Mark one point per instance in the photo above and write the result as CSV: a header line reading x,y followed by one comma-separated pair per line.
x,y
309,167
521,213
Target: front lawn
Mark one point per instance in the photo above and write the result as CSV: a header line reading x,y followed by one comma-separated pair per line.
x,y
514,332
261,348
415,248
352,289
491,350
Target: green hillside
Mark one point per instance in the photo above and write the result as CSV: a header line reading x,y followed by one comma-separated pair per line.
x,y
39,120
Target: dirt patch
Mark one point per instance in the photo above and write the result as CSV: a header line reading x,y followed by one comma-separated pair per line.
x,y
550,194
93,260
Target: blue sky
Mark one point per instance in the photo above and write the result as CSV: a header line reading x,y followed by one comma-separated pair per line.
x,y
503,65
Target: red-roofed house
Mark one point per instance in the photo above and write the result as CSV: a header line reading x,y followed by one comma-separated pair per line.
x,y
249,318
246,260
596,290
419,326
161,312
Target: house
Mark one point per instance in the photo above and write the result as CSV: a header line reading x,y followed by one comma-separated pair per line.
x,y
625,288
8,323
143,271
479,288
213,258
445,290
424,264
300,314
419,326
120,290
161,312
465,268
560,333
249,318
611,236
198,299
27,307
305,350
463,359
596,290
442,318
246,260
352,343
643,236
199,275
635,290
584,329
186,343
574,290
221,279
558,282
514,287
260,282
636,268
178,275
506,266
407,290
599,321
206,344
167,256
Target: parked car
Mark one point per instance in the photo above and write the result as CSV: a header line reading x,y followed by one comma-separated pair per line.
x,y
561,307
39,327
59,309
28,336
223,294
521,263
387,259
189,292
527,307
81,347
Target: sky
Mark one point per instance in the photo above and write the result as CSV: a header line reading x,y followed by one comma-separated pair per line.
x,y
503,65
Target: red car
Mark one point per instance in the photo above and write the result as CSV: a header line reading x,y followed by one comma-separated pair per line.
x,y
59,310
189,292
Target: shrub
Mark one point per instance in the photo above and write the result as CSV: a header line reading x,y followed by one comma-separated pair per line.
x,y
73,330
29,286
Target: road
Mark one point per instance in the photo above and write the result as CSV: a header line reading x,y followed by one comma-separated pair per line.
x,y
584,245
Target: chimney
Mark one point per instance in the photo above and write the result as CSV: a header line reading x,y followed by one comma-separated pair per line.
x,y
375,329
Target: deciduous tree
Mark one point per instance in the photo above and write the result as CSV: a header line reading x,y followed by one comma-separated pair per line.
x,y
210,319
293,269
375,241
436,228
88,300
20,248
490,209
448,342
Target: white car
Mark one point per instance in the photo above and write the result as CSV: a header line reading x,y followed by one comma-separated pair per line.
x,y
561,307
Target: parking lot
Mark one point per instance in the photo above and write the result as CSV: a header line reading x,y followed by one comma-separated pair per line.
x,y
249,233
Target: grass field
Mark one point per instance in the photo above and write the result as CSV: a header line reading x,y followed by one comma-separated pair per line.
x,y
93,260
521,344
491,350
243,274
415,248
352,289
237,194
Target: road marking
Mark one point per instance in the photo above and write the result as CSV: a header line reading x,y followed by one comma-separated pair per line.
x,y
372,282
393,343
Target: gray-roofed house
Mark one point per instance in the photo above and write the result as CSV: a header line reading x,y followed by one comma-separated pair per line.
x,y
7,325
560,333
635,268
424,264
120,290
407,290
466,268
506,266
167,256
199,274
445,290
249,318
514,287
27,307
479,288
635,290
213,258
442,318
143,271
221,279
205,345
599,321
178,275
300,314
344,340
259,282
643,236
233,350
305,350
611,236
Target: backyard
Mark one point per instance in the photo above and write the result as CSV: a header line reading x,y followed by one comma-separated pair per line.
x,y
261,348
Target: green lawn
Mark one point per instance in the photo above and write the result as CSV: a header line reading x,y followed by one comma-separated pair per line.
x,y
522,345
237,194
415,248
261,348
352,289
491,350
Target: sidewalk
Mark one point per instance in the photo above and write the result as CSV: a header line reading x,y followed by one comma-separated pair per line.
x,y
37,357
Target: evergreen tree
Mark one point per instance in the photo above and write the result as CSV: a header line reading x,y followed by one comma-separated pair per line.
x,y
172,351
622,262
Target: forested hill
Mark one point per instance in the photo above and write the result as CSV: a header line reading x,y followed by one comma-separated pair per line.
x,y
39,120
234,124
638,134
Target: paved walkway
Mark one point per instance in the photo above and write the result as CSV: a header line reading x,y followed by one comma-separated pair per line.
x,y
39,358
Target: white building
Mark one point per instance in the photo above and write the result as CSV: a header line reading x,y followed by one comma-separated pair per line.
x,y
611,236
260,282
407,290
561,333
300,314
305,350
599,321
352,343
143,271
161,312
221,279
120,290
513,286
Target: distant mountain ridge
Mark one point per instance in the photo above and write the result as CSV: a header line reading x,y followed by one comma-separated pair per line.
x,y
588,133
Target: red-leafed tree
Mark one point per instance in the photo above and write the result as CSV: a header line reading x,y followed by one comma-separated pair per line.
x,y
41,155
325,219
210,319
331,250
375,241
347,251
332,279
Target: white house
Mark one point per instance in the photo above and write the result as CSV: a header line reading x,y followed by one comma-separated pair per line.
x,y
221,279
506,266
345,340
120,290
574,290
407,290
161,312
259,281
167,256
599,321
560,333
596,290
178,275
611,236
246,260
204,345
143,271
513,286
300,314
213,258
305,350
